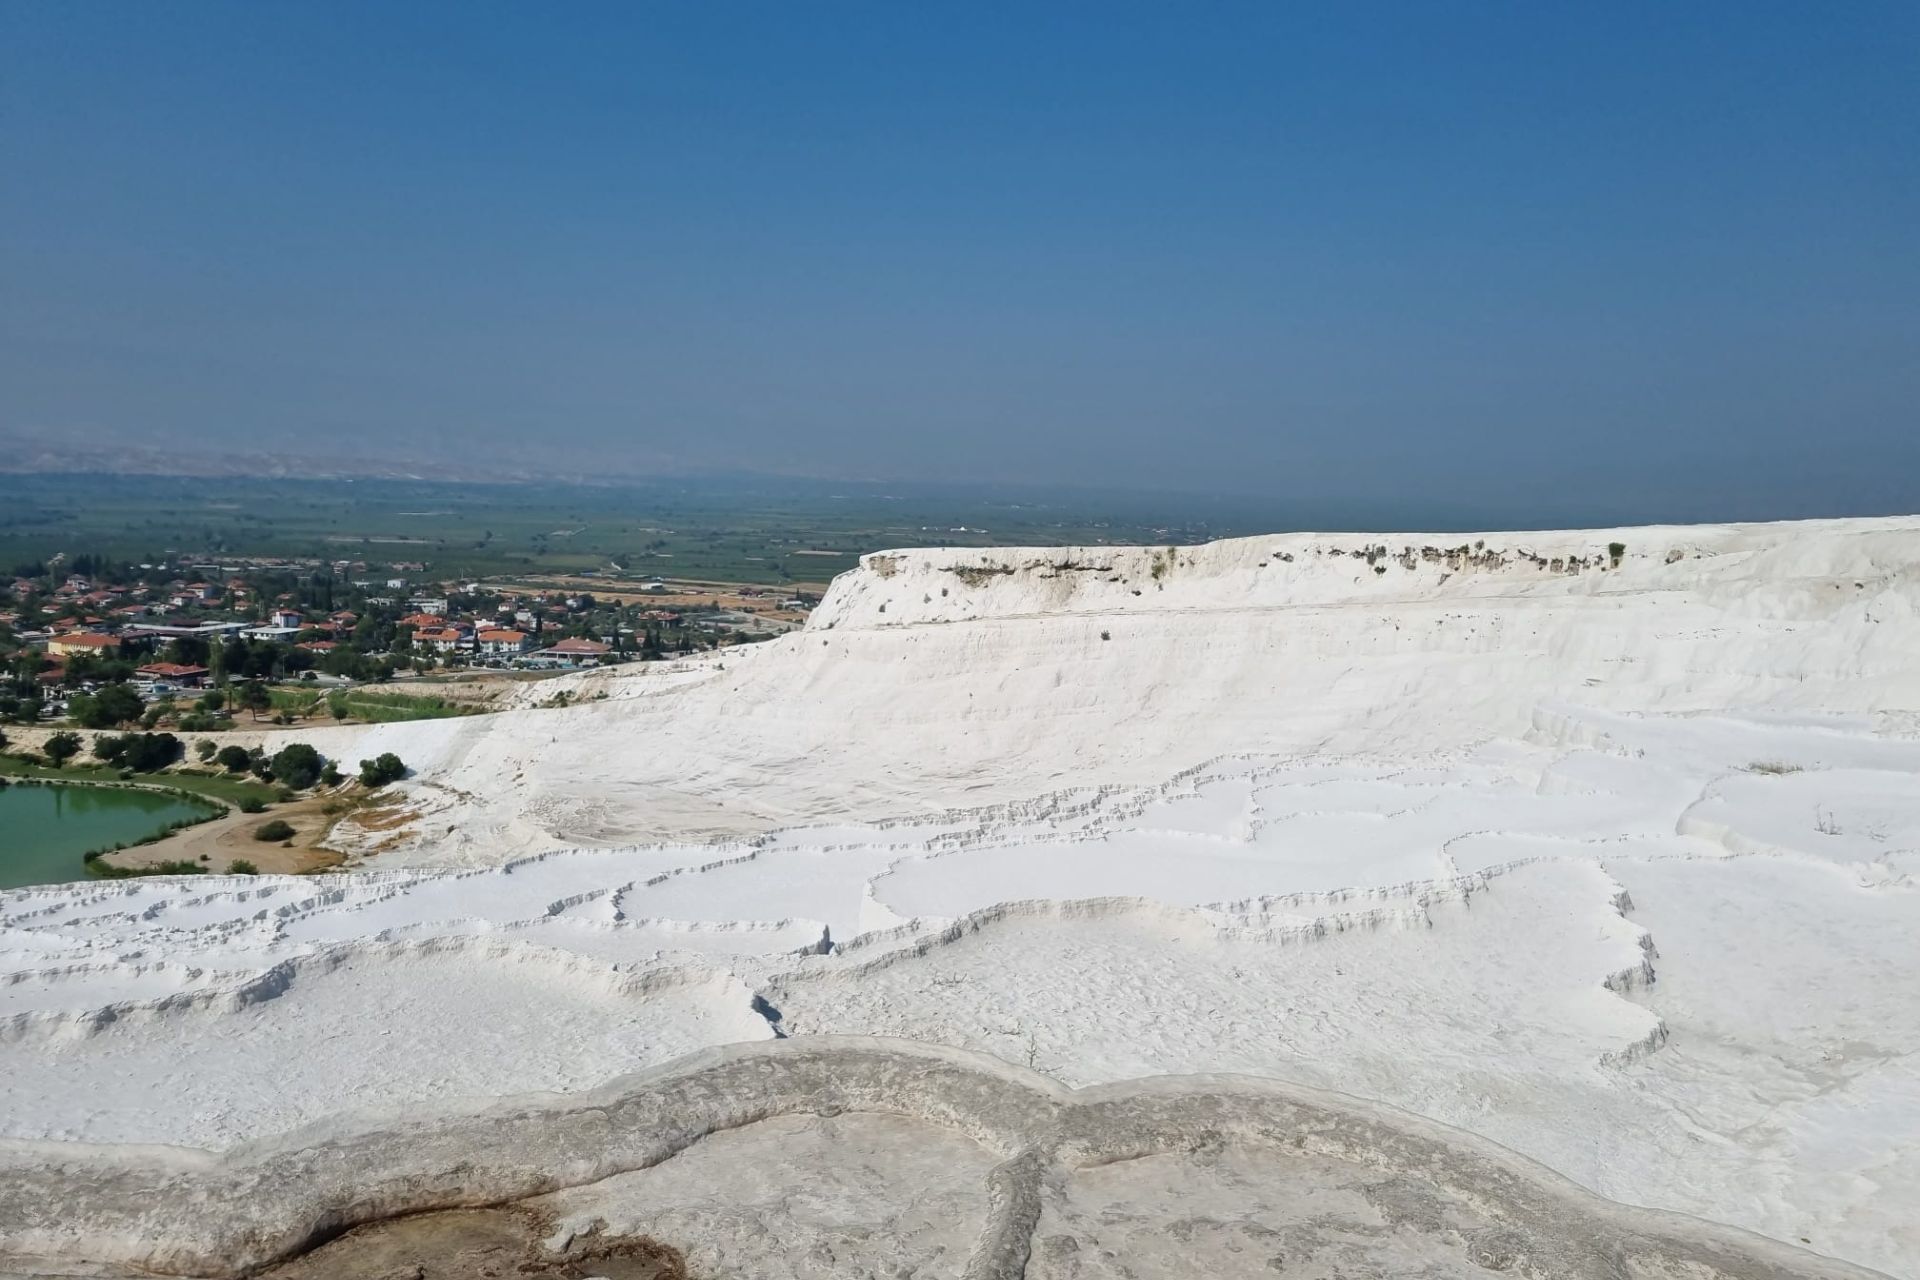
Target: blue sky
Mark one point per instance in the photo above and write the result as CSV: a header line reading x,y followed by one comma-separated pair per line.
x,y
1662,258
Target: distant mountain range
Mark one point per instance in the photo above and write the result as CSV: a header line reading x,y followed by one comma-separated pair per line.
x,y
41,455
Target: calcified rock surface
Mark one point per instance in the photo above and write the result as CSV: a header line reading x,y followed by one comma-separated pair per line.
x,y
851,1157
1600,846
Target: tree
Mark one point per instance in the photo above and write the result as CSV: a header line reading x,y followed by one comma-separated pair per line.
x,y
203,750
337,704
233,660
255,698
384,768
140,752
331,775
233,759
114,705
297,765
62,747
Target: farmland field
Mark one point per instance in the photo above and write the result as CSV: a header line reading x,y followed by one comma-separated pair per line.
x,y
768,532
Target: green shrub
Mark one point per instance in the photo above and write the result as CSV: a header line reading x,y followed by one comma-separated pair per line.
x,y
297,765
381,770
241,867
278,829
253,804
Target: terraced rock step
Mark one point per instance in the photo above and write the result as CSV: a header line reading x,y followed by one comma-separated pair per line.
x,y
471,1244
845,1156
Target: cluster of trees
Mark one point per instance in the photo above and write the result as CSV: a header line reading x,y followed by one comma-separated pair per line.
x,y
111,705
140,752
296,766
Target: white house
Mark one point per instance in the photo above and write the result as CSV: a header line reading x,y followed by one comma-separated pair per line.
x,y
445,640
504,643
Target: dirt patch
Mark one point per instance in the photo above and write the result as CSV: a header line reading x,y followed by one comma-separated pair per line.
x,y
382,813
462,1244
215,844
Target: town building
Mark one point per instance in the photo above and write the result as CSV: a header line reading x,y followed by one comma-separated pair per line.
x,y
83,642
574,650
185,630
503,643
444,640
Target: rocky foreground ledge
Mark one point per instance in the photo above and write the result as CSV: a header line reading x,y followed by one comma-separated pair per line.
x,y
855,1156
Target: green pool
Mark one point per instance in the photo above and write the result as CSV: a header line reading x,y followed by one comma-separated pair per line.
x,y
44,830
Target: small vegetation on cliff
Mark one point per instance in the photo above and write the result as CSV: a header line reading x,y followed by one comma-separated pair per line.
x,y
383,769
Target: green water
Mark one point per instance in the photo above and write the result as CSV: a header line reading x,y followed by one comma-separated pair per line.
x,y
44,830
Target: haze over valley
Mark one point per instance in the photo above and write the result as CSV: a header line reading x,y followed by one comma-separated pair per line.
x,y
954,643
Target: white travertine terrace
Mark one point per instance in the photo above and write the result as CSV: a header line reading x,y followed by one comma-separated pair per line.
x,y
1033,1174
1611,863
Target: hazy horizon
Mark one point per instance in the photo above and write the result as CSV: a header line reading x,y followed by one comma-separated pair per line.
x,y
1650,264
